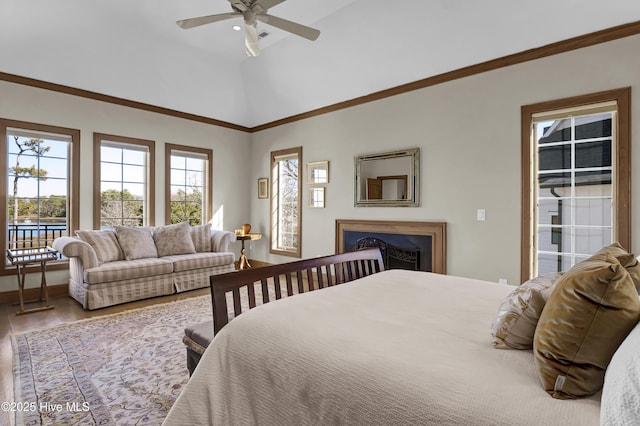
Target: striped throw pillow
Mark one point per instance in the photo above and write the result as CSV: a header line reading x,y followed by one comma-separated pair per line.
x,y
105,244
201,236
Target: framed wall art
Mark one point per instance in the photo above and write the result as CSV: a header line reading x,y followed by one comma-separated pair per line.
x,y
317,172
263,188
316,197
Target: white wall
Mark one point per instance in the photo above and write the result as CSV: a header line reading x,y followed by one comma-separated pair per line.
x,y
230,151
468,130
469,134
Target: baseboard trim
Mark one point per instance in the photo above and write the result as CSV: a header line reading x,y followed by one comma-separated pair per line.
x,y
258,263
254,263
34,293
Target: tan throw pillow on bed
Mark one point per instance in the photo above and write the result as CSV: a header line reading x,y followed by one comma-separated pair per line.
x,y
592,309
515,322
626,259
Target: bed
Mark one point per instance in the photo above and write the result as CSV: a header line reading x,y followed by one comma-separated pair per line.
x,y
396,347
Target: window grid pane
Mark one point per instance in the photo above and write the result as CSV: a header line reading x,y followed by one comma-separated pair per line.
x,y
123,182
574,190
187,175
37,188
286,179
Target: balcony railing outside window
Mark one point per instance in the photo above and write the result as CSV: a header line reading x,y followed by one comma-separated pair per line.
x,y
31,235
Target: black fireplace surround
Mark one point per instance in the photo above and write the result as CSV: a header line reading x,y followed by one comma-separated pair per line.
x,y
419,246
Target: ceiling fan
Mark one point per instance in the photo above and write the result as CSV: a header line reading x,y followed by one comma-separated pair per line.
x,y
253,11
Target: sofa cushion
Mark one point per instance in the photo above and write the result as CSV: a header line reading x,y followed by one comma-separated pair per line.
x,y
136,242
592,309
186,262
104,243
201,236
127,269
173,239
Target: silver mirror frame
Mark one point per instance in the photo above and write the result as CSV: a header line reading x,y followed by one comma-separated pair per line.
x,y
413,176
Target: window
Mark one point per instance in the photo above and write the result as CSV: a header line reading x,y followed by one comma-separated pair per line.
x,y
123,181
286,202
577,173
188,184
39,200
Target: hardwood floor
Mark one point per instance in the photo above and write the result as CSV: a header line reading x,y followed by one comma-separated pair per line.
x,y
66,310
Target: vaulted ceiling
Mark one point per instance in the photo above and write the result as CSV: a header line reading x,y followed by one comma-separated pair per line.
x,y
133,49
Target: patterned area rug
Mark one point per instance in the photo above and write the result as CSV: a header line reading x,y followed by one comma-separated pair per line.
x,y
126,368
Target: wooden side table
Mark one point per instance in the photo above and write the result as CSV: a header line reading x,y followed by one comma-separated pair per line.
x,y
244,262
21,258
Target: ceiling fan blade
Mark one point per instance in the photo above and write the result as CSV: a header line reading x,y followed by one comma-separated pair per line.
x,y
268,4
238,4
251,46
202,20
289,26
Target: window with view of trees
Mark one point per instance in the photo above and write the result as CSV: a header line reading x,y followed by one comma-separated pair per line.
x,y
40,164
286,202
578,172
188,184
123,181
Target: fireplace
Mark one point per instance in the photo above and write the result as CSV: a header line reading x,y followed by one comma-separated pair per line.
x,y
404,245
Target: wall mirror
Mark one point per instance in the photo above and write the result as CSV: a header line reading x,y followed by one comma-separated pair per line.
x,y
388,179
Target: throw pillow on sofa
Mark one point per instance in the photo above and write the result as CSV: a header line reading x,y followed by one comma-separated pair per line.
x,y
201,236
592,309
104,243
136,242
173,239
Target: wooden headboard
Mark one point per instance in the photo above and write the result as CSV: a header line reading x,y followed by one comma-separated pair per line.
x,y
308,274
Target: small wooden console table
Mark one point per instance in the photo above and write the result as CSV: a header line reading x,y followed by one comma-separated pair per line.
x,y
21,258
244,262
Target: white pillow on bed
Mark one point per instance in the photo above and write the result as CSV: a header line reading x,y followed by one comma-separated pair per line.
x,y
621,392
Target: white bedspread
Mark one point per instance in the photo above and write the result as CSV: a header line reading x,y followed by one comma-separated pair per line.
x,y
395,348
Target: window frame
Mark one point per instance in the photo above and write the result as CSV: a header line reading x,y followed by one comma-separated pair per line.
x,y
275,208
622,168
98,138
207,181
73,212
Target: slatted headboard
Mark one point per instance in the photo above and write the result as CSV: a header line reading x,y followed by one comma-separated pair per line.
x,y
292,277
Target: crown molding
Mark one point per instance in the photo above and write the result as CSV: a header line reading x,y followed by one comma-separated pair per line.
x,y
60,88
579,42
591,39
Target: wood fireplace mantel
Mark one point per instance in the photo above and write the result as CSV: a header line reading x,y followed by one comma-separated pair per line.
x,y
436,230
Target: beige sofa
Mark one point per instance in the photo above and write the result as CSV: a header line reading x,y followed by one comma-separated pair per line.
x,y
108,267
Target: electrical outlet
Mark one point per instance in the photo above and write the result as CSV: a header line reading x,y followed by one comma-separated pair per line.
x,y
503,281
481,215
